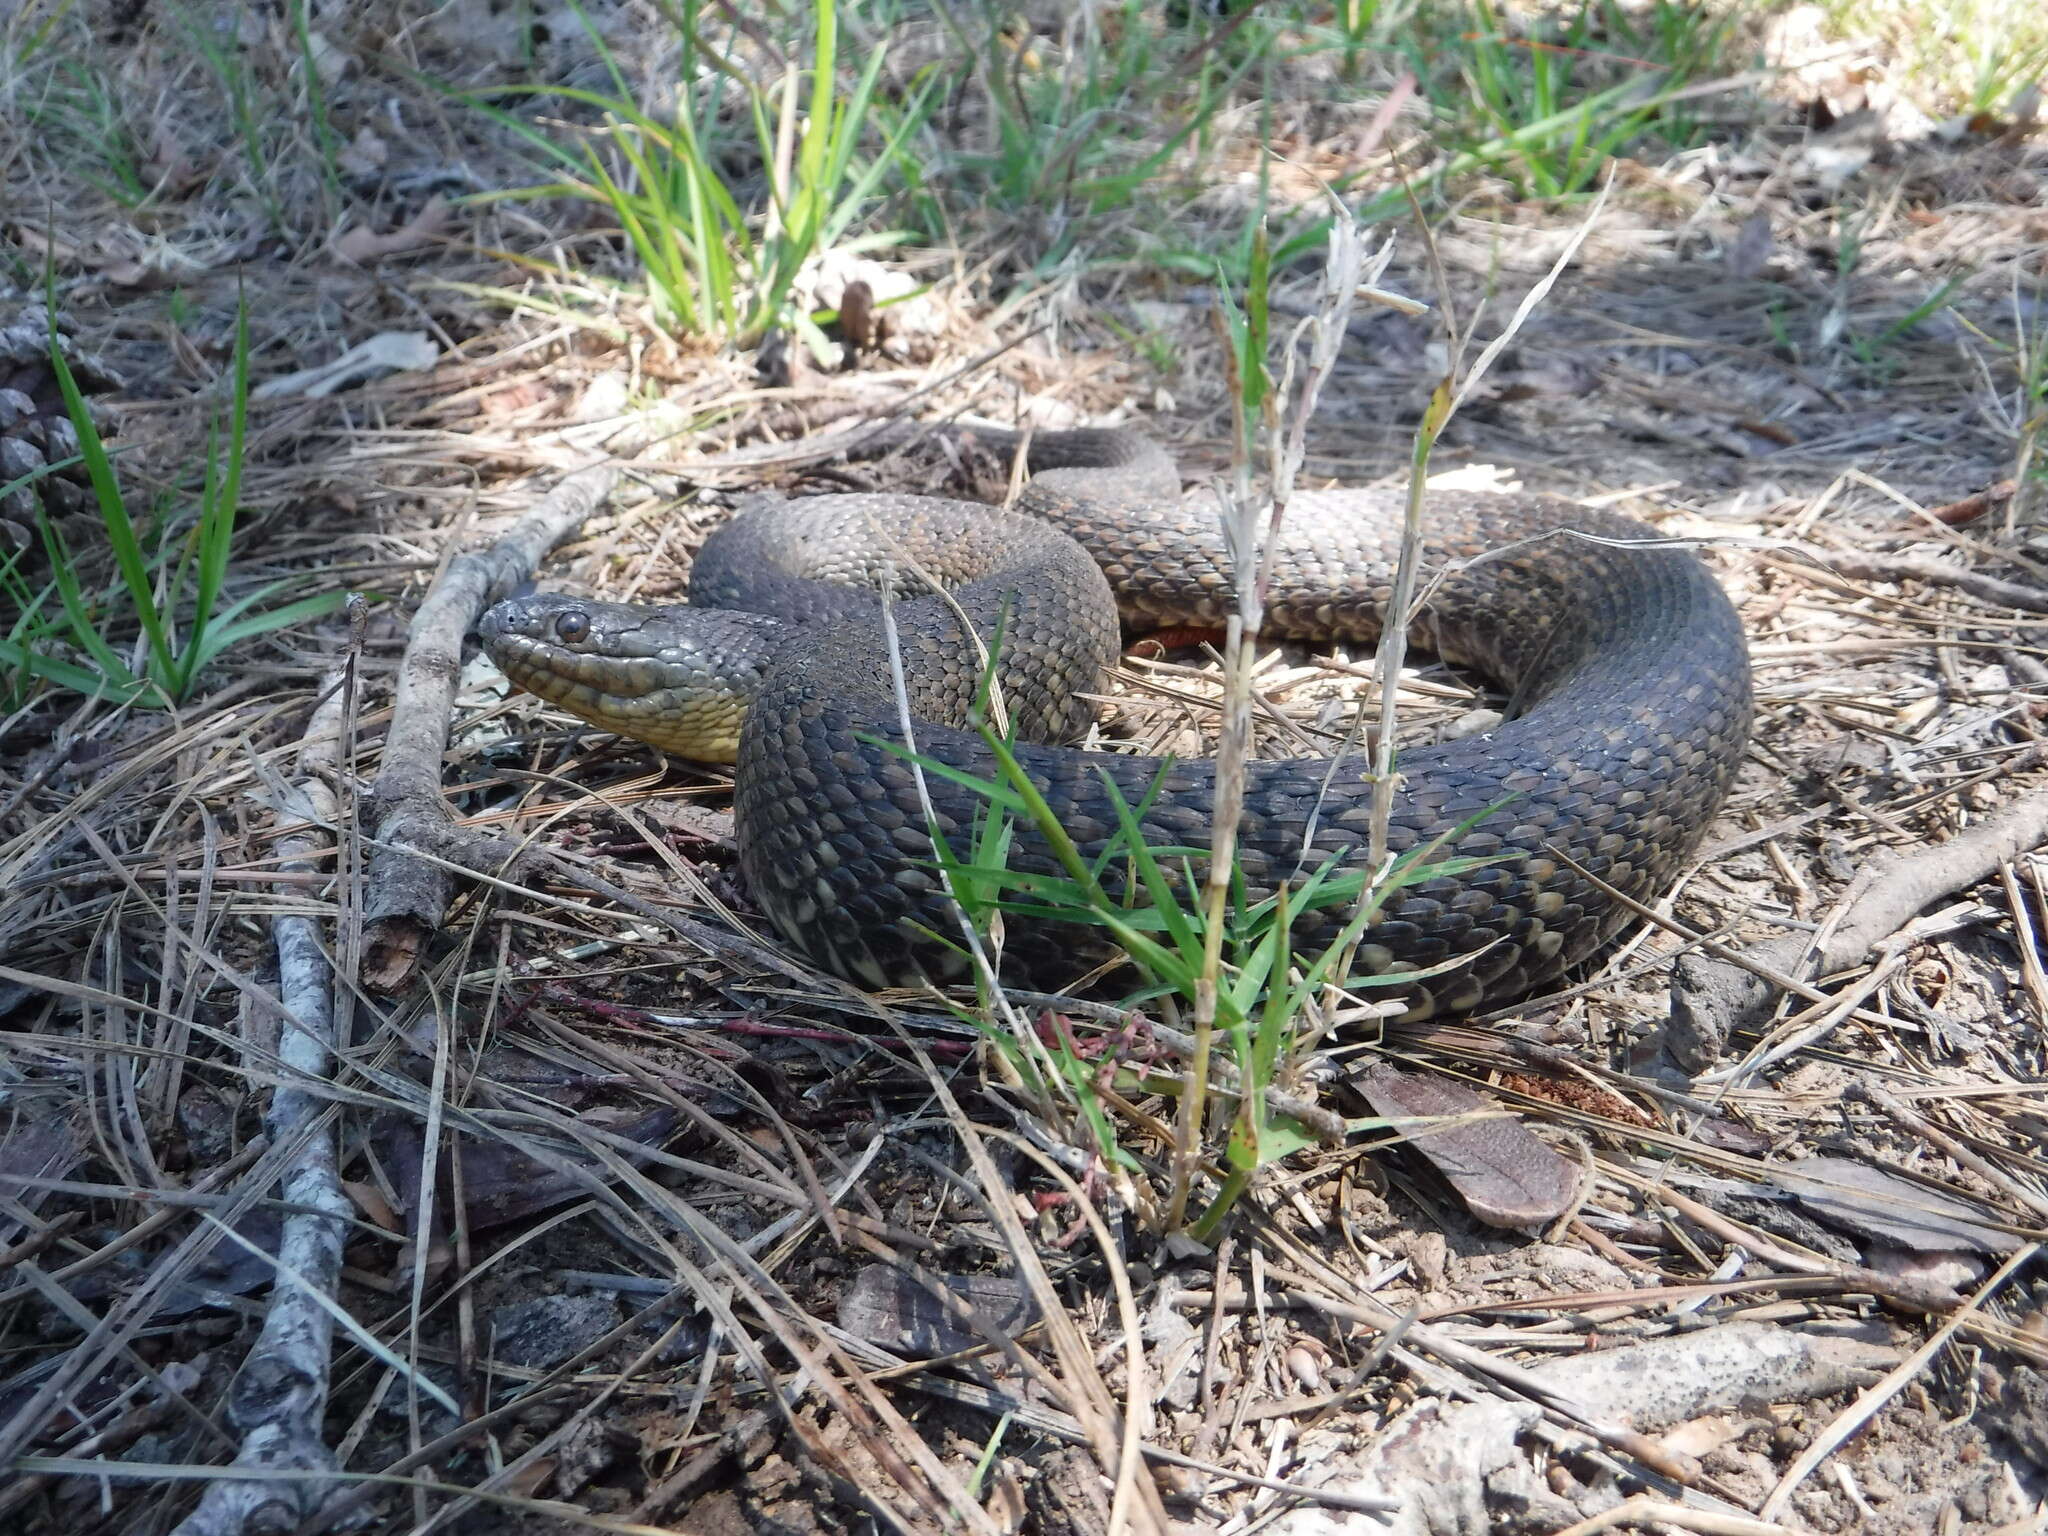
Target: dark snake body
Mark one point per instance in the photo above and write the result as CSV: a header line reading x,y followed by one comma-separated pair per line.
x,y
1627,664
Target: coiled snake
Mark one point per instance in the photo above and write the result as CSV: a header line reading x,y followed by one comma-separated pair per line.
x,y
1630,679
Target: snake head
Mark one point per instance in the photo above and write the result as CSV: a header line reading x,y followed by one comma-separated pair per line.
x,y
680,678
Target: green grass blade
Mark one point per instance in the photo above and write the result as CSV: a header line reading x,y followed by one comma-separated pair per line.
x,y
84,630
220,637
220,506
1180,925
66,674
114,517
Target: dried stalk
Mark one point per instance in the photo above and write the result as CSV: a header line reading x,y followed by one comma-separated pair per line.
x,y
1444,401
279,1399
406,897
1253,551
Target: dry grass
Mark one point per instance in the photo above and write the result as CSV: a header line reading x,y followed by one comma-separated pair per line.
x,y
609,1190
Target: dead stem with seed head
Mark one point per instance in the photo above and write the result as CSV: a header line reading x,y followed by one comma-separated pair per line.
x,y
1227,960
1260,423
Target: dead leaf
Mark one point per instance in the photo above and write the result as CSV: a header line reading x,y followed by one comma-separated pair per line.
x,y
363,246
364,155
39,247
1503,1173
900,1314
169,168
137,274
501,1183
115,259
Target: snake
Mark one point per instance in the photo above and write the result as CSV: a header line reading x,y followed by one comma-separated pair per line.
x,y
834,648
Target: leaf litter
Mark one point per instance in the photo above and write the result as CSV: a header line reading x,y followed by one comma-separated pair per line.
x,y
1818,1201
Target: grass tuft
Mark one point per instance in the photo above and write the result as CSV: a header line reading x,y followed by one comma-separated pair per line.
x,y
1964,57
164,604
1550,107
1233,960
720,259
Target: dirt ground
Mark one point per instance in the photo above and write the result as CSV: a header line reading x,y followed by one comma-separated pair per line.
x,y
637,1209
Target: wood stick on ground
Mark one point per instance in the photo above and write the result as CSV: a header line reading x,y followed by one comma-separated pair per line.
x,y
1711,996
1970,508
1644,1510
405,897
279,1398
1995,590
1512,1380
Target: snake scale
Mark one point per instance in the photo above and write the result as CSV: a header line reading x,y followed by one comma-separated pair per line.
x,y
1629,675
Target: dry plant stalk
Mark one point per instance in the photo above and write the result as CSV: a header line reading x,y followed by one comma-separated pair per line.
x,y
1450,393
1253,550
407,896
280,1397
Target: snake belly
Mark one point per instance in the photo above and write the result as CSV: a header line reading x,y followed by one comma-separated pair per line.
x,y
1630,708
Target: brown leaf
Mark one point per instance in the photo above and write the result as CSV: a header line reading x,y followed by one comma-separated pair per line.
x,y
1970,508
897,1312
501,1183
1505,1176
40,247
136,274
169,167
363,246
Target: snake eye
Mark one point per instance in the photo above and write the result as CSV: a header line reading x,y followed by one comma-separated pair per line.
x,y
572,627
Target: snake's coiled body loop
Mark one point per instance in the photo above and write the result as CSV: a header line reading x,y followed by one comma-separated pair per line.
x,y
1627,663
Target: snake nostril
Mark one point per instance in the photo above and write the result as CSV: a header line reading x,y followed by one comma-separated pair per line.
x,y
572,627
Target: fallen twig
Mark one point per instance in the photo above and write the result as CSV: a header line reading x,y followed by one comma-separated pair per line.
x,y
280,1395
1511,1380
405,897
1645,1510
1970,508
1991,589
1712,995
